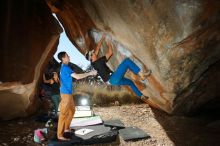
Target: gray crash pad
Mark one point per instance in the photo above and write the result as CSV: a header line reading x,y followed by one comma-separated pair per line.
x,y
114,123
96,130
133,133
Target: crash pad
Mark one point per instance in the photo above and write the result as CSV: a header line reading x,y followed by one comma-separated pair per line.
x,y
114,123
133,133
73,141
102,134
95,130
85,121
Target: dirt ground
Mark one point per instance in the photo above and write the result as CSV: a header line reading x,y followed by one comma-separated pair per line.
x,y
164,130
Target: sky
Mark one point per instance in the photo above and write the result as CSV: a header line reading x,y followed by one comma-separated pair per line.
x,y
66,45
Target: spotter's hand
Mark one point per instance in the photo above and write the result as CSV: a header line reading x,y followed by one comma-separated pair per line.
x,y
93,73
51,81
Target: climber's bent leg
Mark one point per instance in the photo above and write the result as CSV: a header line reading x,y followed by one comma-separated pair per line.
x,y
122,69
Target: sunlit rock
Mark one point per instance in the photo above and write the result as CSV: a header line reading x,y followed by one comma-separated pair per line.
x,y
177,40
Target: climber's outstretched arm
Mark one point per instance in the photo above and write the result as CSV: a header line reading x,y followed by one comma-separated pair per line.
x,y
84,75
110,51
99,45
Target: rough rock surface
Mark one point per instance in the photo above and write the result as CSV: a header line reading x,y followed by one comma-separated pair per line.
x,y
30,36
177,40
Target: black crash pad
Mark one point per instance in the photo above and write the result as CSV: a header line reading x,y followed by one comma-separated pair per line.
x,y
133,133
74,141
114,123
100,137
97,130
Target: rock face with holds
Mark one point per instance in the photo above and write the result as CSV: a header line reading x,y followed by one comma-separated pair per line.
x,y
177,40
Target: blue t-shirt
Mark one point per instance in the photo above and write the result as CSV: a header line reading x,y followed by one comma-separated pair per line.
x,y
66,79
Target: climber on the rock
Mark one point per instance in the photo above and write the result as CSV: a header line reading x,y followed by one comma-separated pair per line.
x,y
117,77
